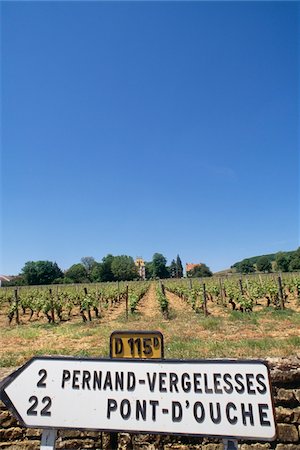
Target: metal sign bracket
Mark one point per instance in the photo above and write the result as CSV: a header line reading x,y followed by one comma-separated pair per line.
x,y
48,439
230,444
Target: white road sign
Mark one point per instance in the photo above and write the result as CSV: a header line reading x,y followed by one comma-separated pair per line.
x,y
222,398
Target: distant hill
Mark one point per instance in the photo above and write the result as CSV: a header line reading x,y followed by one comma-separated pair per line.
x,y
253,260
282,261
225,272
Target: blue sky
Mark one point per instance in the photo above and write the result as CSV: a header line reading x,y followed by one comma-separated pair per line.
x,y
142,127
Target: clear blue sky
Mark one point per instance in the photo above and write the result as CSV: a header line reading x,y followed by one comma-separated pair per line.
x,y
142,127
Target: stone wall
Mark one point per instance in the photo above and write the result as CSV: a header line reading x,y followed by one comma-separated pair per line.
x,y
285,379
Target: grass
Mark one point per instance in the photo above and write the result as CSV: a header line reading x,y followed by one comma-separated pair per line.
x,y
252,317
9,360
212,323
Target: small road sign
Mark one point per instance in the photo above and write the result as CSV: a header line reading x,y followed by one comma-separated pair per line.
x,y
221,398
137,344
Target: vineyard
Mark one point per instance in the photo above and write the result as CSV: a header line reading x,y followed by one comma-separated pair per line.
x,y
59,304
213,317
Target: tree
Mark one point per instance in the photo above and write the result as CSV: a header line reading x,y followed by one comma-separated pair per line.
x,y
295,261
263,264
123,268
41,272
173,269
245,266
200,271
159,266
88,262
179,273
148,270
282,261
107,274
96,272
77,273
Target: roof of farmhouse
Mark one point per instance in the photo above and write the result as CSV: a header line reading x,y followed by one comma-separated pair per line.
x,y
190,266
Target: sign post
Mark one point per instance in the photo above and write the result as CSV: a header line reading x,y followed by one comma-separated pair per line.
x,y
226,399
48,439
230,444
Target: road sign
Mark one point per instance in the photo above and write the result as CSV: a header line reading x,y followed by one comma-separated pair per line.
x,y
137,344
221,398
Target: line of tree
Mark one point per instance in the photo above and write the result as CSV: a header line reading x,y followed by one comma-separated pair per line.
x,y
275,262
111,268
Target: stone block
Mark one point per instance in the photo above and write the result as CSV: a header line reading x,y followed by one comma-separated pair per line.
x,y
76,443
25,445
7,420
33,432
212,447
283,415
10,434
284,371
106,440
297,395
285,396
296,416
91,434
287,433
145,446
256,446
287,415
69,434
287,447
176,447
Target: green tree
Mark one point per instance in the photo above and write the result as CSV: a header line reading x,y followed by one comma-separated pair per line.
x,y
282,261
200,271
159,266
123,268
107,274
179,273
294,264
245,266
88,262
77,273
40,272
96,274
263,264
173,269
149,270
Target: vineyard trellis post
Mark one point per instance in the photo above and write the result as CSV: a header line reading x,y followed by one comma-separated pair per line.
x,y
88,308
241,286
52,306
222,291
126,301
204,301
17,306
280,292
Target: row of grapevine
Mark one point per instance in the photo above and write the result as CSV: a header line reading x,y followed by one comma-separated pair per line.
x,y
236,293
136,293
61,303
162,300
